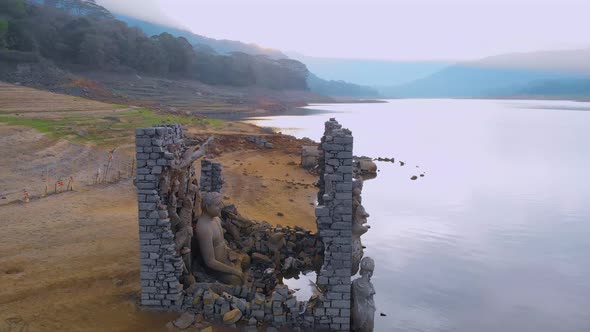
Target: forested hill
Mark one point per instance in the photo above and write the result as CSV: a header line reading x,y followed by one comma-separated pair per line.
x,y
81,34
221,46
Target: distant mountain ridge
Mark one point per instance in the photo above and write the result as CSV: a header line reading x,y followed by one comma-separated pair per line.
x,y
370,72
221,46
468,81
535,74
564,61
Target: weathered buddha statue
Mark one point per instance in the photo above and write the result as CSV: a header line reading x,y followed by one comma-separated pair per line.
x,y
363,305
222,263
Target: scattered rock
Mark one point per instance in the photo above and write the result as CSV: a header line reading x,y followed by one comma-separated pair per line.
x,y
185,320
232,317
260,258
280,214
401,163
171,327
422,175
199,318
414,177
382,314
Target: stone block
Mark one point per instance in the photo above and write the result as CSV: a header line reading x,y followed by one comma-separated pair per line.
x,y
147,206
343,140
151,302
156,170
342,304
146,185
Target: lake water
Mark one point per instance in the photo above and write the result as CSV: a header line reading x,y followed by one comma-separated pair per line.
x,y
496,235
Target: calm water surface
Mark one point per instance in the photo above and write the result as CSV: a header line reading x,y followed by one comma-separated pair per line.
x,y
496,235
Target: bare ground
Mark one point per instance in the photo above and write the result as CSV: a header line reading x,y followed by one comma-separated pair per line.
x,y
70,262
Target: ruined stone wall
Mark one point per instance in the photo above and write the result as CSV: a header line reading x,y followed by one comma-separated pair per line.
x,y
334,221
161,267
169,200
211,178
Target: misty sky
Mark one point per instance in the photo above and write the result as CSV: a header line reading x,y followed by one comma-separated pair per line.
x,y
380,29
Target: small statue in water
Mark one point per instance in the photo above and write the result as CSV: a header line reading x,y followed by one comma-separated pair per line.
x,y
363,305
226,265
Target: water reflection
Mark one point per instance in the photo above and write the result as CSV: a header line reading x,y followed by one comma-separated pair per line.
x,y
495,236
301,283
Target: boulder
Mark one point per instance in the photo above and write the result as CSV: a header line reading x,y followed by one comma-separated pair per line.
x,y
232,317
367,166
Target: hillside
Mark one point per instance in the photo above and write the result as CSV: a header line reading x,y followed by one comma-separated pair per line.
x,y
209,47
61,49
340,88
79,39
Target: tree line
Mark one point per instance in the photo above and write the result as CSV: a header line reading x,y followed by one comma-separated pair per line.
x,y
100,42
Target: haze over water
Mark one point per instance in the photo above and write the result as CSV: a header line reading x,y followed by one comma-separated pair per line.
x,y
495,237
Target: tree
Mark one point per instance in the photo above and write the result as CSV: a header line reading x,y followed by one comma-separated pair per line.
x,y
12,8
92,51
3,32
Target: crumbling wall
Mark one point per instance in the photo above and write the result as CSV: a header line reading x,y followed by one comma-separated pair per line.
x,y
334,221
169,201
211,178
161,266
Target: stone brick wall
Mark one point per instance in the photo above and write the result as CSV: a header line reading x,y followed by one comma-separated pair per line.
x,y
334,221
211,179
161,267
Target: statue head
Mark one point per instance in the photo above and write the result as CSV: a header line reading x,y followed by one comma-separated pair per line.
x,y
212,203
367,267
360,215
